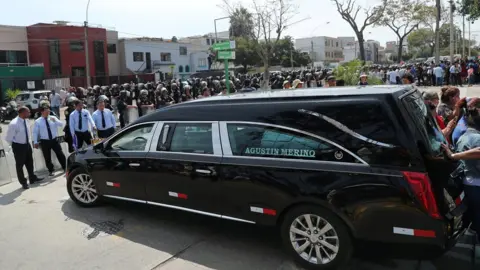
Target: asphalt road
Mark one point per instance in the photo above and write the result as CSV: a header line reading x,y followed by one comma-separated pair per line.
x,y
43,229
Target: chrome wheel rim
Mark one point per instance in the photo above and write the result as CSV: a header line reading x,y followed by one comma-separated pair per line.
x,y
83,188
314,239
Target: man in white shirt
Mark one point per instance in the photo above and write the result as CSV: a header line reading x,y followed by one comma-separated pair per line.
x,y
55,102
393,76
104,120
18,136
78,122
45,132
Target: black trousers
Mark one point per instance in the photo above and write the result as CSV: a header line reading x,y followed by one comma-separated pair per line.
x,y
47,146
23,157
105,133
83,137
121,117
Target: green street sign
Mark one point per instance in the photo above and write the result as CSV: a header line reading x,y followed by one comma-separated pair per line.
x,y
227,45
227,55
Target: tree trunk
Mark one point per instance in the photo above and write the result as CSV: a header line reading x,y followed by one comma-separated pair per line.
x,y
245,68
438,5
400,49
361,47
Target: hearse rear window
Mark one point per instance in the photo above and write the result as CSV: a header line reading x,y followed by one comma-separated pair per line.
x,y
264,141
425,122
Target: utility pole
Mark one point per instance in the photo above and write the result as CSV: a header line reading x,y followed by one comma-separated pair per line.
x,y
463,37
291,57
451,31
469,42
312,54
87,60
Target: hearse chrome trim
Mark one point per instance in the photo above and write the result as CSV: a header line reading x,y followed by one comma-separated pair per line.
x,y
345,129
227,150
156,137
180,208
124,199
318,165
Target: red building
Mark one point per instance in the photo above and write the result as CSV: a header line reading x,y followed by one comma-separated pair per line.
x,y
61,49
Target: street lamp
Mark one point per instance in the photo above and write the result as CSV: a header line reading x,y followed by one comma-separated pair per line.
x,y
87,62
215,23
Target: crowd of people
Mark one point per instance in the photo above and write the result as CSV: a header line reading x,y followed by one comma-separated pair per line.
x,y
459,122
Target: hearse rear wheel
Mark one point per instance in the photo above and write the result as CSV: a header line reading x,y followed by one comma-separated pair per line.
x,y
316,238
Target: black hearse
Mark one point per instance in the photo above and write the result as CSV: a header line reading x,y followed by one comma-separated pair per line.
x,y
327,166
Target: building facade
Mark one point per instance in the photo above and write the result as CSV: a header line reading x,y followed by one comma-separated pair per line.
x,y
13,46
322,48
147,55
60,47
113,55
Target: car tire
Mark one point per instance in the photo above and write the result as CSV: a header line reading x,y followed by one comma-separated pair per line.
x,y
79,180
308,248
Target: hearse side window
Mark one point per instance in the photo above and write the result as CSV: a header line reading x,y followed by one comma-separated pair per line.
x,y
134,139
192,138
265,141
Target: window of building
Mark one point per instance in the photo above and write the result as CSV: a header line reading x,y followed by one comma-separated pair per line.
x,y
326,42
180,69
111,48
54,57
208,41
166,57
183,50
137,56
202,62
336,44
76,45
265,141
134,139
187,68
78,71
3,57
192,138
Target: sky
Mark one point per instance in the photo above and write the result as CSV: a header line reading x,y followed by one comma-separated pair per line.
x,y
181,18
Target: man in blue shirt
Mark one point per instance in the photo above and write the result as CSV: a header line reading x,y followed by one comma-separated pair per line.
x,y
104,120
45,132
78,122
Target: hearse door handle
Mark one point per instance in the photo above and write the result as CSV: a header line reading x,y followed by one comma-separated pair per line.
x,y
206,172
134,164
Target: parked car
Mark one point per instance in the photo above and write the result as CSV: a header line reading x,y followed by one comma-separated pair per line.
x,y
329,167
31,99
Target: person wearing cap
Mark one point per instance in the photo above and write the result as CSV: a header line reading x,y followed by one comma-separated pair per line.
x,y
45,133
363,80
286,84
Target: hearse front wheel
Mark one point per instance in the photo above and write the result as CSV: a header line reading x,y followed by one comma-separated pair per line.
x,y
316,238
81,188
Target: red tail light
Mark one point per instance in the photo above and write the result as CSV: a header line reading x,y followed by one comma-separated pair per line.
x,y
422,189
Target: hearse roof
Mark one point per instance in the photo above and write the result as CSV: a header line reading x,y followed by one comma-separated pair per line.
x,y
307,92
335,92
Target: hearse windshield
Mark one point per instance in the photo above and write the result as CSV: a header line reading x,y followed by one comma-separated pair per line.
x,y
425,122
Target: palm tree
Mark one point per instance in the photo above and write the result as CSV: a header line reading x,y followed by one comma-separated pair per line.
x,y
241,23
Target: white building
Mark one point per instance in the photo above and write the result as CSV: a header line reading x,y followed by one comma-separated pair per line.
x,y
141,55
323,48
352,51
207,40
13,46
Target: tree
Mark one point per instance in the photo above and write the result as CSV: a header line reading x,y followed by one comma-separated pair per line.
x,y
245,52
421,40
469,8
271,18
402,17
174,39
349,10
285,54
241,23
